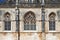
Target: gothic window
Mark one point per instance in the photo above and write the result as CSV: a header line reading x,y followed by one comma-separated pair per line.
x,y
37,1
1,14
7,21
11,1
25,1
54,1
29,21
58,14
52,21
29,1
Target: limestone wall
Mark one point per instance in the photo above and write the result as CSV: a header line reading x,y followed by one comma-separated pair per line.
x,y
8,36
30,35
23,11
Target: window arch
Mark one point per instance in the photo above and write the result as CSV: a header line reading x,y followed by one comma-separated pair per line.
x,y
7,22
29,21
52,21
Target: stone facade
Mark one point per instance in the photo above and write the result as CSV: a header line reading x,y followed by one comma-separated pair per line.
x,y
50,7
29,35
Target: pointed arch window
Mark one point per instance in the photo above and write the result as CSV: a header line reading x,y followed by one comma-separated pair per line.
x,y
52,21
29,1
29,21
25,1
7,21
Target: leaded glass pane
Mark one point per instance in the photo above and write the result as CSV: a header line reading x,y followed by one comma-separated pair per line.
x,y
7,22
52,22
29,22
